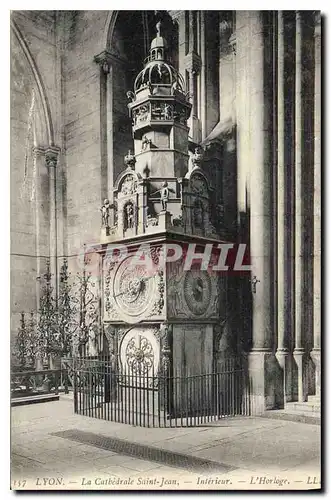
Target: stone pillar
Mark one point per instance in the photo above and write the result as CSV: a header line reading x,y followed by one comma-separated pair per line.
x,y
282,353
193,68
39,161
178,16
42,222
316,352
242,112
51,156
110,104
260,106
106,136
242,73
299,350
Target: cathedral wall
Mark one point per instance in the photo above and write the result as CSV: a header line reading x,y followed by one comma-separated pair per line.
x,y
32,36
82,128
212,74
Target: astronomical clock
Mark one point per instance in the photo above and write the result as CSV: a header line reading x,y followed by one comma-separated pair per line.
x,y
160,317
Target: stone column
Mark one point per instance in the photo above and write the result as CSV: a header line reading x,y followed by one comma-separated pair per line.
x,y
39,161
282,353
242,74
242,112
51,156
260,106
42,222
298,353
113,101
106,136
193,68
316,352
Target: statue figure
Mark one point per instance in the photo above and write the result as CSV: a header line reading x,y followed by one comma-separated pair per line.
x,y
164,195
145,143
167,112
105,212
174,87
198,213
129,216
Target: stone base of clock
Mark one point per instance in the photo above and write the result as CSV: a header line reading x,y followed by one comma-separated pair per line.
x,y
192,354
264,377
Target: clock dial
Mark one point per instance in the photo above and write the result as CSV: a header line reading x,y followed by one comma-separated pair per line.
x,y
133,289
197,291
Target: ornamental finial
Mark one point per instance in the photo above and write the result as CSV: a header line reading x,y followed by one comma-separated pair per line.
x,y
130,160
158,28
197,157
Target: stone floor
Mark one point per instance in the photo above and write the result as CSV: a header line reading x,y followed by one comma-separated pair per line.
x,y
242,453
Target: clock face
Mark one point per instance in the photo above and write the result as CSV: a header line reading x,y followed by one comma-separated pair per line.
x,y
133,289
197,291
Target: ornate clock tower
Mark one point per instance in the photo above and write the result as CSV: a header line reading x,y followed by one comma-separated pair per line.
x,y
161,313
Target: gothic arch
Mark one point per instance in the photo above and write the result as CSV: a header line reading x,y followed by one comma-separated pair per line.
x,y
109,29
44,104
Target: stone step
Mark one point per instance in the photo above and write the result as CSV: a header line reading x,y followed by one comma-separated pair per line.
x,y
303,417
314,399
307,407
30,400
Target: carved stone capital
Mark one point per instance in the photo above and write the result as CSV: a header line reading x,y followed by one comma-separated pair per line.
x,y
106,60
233,43
193,62
51,156
176,15
38,151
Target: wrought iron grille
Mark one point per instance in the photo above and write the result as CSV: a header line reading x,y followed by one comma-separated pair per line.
x,y
150,399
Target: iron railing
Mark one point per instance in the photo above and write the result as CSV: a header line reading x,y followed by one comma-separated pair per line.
x,y
37,382
158,399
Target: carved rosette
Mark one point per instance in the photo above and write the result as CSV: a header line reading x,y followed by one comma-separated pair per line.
x,y
139,352
140,356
